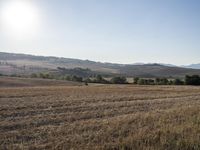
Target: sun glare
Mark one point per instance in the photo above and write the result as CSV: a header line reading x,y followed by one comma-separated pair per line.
x,y
19,17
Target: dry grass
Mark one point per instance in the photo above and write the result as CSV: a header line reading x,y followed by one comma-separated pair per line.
x,y
100,117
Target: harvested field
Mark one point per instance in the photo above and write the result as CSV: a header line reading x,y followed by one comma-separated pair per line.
x,y
100,117
30,82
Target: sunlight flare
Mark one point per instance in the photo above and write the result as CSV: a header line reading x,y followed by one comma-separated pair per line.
x,y
19,17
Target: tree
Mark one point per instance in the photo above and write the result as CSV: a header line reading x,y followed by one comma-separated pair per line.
x,y
118,80
192,80
178,82
151,82
41,75
141,82
157,80
33,75
146,82
67,77
162,81
135,80
45,76
100,79
88,80
76,78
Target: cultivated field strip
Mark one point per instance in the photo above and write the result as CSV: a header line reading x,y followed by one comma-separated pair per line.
x,y
100,117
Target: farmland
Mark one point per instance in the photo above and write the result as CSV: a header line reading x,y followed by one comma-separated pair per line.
x,y
100,117
29,82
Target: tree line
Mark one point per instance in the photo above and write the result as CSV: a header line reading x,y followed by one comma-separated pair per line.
x,y
188,80
96,79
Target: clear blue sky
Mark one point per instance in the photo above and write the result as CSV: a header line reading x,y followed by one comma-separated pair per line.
x,y
121,31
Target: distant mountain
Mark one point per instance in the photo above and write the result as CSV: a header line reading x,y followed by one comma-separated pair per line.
x,y
11,63
169,65
139,63
194,66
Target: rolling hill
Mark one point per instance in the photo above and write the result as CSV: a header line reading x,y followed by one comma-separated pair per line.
x,y
22,64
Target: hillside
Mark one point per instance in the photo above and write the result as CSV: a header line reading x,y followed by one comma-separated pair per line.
x,y
17,62
11,63
156,70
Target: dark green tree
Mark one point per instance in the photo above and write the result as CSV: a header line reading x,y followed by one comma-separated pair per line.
x,y
118,80
178,82
135,80
34,75
192,80
77,79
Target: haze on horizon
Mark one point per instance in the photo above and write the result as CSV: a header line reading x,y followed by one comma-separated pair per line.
x,y
148,31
